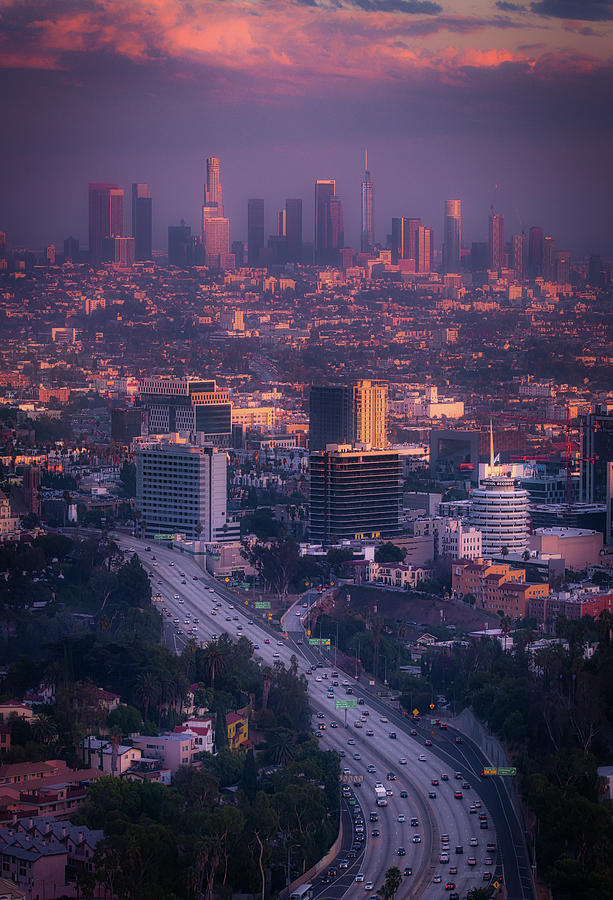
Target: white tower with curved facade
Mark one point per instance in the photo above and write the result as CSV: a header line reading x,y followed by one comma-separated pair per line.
x,y
500,511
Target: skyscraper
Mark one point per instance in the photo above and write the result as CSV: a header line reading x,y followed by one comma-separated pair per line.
x,y
212,188
423,250
520,255
452,236
404,239
142,221
293,229
179,245
370,404
367,241
549,265
255,230
282,223
335,238
535,252
324,191
496,241
105,216
216,241
348,414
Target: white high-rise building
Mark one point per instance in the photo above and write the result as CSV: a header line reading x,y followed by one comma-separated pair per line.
x,y
499,510
181,489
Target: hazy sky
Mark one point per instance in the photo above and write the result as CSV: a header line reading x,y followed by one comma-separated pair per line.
x,y
451,98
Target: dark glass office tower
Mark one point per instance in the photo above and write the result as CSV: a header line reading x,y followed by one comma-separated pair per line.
x,y
331,415
105,216
142,221
496,241
535,251
324,191
255,230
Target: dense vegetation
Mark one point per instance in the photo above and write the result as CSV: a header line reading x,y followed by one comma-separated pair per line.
x,y
554,712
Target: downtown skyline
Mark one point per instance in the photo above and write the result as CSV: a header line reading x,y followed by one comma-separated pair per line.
x,y
448,104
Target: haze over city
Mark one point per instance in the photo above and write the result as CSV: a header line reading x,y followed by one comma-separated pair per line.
x,y
450,99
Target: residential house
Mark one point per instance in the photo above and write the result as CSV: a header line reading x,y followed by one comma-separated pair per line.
x,y
398,575
496,587
174,750
203,730
109,756
237,724
11,708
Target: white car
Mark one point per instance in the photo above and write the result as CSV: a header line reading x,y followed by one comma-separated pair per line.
x,y
437,879
359,877
402,761
401,817
384,720
421,757
474,842
368,886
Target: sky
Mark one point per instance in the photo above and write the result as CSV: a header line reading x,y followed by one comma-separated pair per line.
x,y
497,103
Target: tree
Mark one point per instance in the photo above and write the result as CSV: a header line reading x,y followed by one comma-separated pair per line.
x,y
214,661
525,555
221,730
249,781
391,885
389,553
44,729
504,551
125,720
267,676
147,691
478,893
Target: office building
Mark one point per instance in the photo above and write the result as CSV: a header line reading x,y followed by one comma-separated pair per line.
x,y
282,223
255,230
520,256
212,187
596,430
142,221
496,242
180,246
216,242
335,236
452,237
424,250
367,240
354,494
499,510
348,414
71,249
549,265
325,190
187,405
105,216
127,424
535,252
293,229
181,489
562,267
119,251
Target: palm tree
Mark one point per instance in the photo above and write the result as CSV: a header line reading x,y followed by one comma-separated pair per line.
x,y
504,551
478,893
391,885
282,747
267,675
214,662
44,729
147,691
505,627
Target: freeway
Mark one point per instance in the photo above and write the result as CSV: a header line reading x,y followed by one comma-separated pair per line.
x,y
190,593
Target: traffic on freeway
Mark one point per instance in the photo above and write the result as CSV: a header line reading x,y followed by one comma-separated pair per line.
x,y
454,844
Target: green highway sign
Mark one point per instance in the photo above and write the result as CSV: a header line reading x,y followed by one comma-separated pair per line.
x,y
163,537
501,770
262,604
319,642
345,704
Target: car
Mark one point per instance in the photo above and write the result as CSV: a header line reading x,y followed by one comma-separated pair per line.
x,y
370,732
266,641
391,776
487,876
444,777
352,854
228,618
382,719
194,578
256,646
368,886
473,809
346,771
408,870
458,795
322,726
375,833
359,877
413,732
478,804
389,792
401,817
320,715
443,858
326,880
482,816
488,861
459,849
175,596
474,842
341,753
214,637
332,872
437,879
444,839
432,795
393,735
333,724
491,847
443,725
421,757
428,743
403,760
449,886
466,786
276,656
371,769
453,870
458,776
414,822
357,756
404,795
417,838
402,851
459,740
471,861
454,896
213,613
343,864
351,742
298,613
434,782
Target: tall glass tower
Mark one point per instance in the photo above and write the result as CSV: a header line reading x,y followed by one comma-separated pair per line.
x,y
452,246
367,241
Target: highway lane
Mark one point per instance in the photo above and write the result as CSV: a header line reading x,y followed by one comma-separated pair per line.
x,y
449,815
